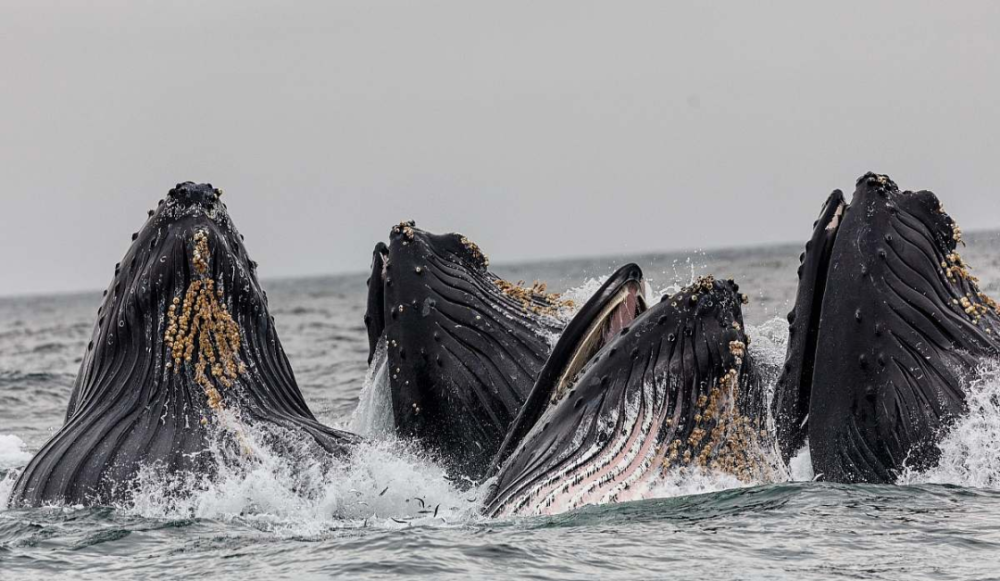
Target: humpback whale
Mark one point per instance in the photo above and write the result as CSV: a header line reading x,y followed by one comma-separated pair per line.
x,y
887,327
463,346
671,388
183,349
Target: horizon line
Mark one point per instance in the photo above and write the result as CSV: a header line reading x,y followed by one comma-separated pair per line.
x,y
501,263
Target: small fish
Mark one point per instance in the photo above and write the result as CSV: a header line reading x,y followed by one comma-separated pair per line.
x,y
436,511
384,491
421,501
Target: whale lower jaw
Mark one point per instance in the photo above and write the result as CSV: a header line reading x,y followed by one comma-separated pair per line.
x,y
618,470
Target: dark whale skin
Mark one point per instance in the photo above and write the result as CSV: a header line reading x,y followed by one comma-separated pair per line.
x,y
463,346
881,369
132,405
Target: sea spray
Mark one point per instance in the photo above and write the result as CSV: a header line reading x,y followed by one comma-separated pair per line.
x,y
769,342
7,480
692,481
13,456
800,468
373,416
969,449
13,452
292,492
581,294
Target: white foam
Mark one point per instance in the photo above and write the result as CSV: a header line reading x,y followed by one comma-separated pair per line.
x,y
381,484
969,451
693,481
769,340
13,452
6,487
581,294
800,467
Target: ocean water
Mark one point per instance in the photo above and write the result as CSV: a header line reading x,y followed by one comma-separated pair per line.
x,y
389,511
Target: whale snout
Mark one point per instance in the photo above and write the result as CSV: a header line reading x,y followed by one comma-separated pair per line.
x,y
189,194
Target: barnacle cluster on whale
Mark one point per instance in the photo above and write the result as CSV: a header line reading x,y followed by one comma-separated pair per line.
x,y
204,322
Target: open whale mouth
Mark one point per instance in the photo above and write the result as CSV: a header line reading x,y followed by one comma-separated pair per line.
x,y
625,302
619,301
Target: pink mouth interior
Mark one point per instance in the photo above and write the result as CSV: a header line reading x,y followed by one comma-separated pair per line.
x,y
624,314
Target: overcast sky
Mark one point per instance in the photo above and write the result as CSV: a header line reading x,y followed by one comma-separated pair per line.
x,y
539,129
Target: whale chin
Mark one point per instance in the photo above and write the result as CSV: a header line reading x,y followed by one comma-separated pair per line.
x,y
184,353
887,327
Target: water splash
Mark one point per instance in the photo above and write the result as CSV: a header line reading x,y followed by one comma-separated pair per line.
x,y
13,456
969,450
800,467
373,416
684,274
691,482
7,481
582,293
288,490
769,341
13,452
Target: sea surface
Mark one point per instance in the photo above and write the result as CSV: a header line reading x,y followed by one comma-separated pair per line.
x,y
391,512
